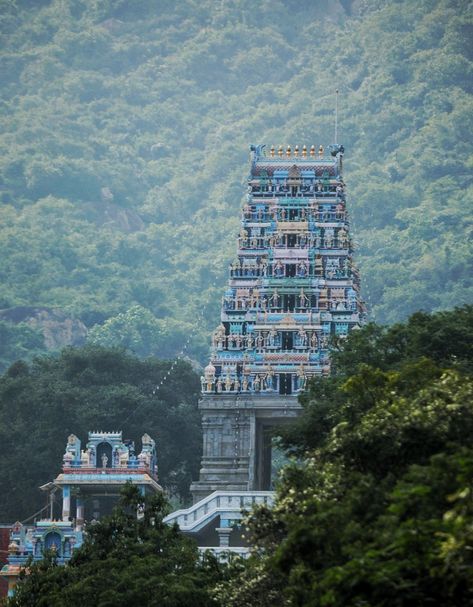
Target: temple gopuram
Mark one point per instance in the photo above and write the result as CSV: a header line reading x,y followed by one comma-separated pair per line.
x,y
293,284
89,486
292,288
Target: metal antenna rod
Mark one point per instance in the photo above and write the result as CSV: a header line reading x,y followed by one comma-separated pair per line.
x,y
336,116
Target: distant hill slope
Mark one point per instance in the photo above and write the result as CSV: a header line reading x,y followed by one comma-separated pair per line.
x,y
124,149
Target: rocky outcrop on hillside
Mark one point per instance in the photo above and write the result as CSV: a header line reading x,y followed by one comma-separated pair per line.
x,y
114,216
57,327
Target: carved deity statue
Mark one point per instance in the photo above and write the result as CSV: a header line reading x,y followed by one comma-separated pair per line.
x,y
218,336
264,268
72,439
85,458
269,378
67,459
328,238
314,341
275,298
123,459
209,373
340,211
301,377
303,299
302,337
342,237
302,268
278,269
272,336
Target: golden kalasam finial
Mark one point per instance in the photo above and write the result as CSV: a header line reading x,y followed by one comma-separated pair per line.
x,y
272,151
296,151
312,150
321,151
280,150
288,151
304,151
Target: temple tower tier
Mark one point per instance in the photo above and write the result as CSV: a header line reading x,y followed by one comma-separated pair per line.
x,y
292,286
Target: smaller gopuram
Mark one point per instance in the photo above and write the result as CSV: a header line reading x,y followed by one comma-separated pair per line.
x,y
89,485
92,478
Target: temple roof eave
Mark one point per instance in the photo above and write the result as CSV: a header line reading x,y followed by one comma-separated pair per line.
x,y
81,479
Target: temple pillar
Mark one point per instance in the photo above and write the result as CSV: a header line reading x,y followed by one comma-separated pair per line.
x,y
66,502
80,511
224,532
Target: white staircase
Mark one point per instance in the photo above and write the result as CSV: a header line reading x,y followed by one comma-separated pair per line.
x,y
226,504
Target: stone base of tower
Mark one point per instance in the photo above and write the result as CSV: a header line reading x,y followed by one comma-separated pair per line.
x,y
236,445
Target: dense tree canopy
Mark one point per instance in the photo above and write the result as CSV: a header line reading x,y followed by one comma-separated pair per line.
x,y
125,561
125,132
93,388
378,510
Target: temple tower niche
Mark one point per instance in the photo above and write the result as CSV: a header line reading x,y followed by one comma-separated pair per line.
x,y
292,286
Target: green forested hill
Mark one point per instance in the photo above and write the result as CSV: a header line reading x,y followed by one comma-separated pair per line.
x,y
123,157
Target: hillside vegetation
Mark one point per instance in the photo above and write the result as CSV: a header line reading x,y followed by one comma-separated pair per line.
x,y
123,156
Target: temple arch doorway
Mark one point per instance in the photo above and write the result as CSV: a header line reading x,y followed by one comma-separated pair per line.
x,y
269,457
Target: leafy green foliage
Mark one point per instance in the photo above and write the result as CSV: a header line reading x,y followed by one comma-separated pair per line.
x,y
18,341
378,509
140,332
125,561
125,129
93,388
378,359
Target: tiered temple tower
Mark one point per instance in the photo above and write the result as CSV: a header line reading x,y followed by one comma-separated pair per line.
x,y
90,484
292,286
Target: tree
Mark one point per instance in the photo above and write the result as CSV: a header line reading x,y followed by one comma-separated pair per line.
x,y
377,509
125,560
92,388
18,341
141,333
